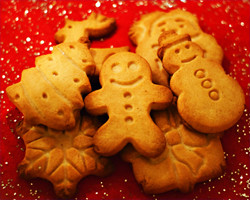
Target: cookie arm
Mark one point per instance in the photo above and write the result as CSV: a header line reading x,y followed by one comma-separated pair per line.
x,y
161,97
95,103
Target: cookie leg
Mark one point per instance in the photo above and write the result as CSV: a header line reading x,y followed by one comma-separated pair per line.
x,y
148,140
151,142
109,139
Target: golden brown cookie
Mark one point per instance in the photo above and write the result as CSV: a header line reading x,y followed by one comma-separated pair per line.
x,y
190,157
147,45
145,33
127,96
95,26
63,157
50,93
209,100
100,55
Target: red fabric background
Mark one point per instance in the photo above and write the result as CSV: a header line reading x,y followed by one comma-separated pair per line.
x,y
27,31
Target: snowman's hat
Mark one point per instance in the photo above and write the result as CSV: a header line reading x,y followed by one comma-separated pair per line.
x,y
168,39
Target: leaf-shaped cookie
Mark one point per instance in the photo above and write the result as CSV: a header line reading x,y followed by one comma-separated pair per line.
x,y
50,93
190,157
95,26
63,157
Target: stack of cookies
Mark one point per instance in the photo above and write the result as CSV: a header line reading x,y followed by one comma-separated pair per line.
x,y
167,105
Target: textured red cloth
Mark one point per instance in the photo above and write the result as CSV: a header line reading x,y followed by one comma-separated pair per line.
x,y
27,30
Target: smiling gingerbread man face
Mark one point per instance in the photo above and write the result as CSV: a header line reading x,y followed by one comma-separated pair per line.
x,y
125,72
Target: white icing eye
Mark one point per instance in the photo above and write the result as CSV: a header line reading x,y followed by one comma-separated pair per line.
x,y
133,66
116,68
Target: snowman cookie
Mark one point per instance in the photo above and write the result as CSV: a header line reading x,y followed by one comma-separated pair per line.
x,y
145,32
127,96
209,100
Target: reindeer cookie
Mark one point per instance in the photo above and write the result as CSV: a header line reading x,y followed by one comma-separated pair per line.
x,y
95,26
127,96
145,33
209,100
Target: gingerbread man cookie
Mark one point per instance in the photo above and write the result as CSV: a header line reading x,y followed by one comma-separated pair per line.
x,y
190,157
51,93
209,100
63,157
145,33
127,96
95,26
